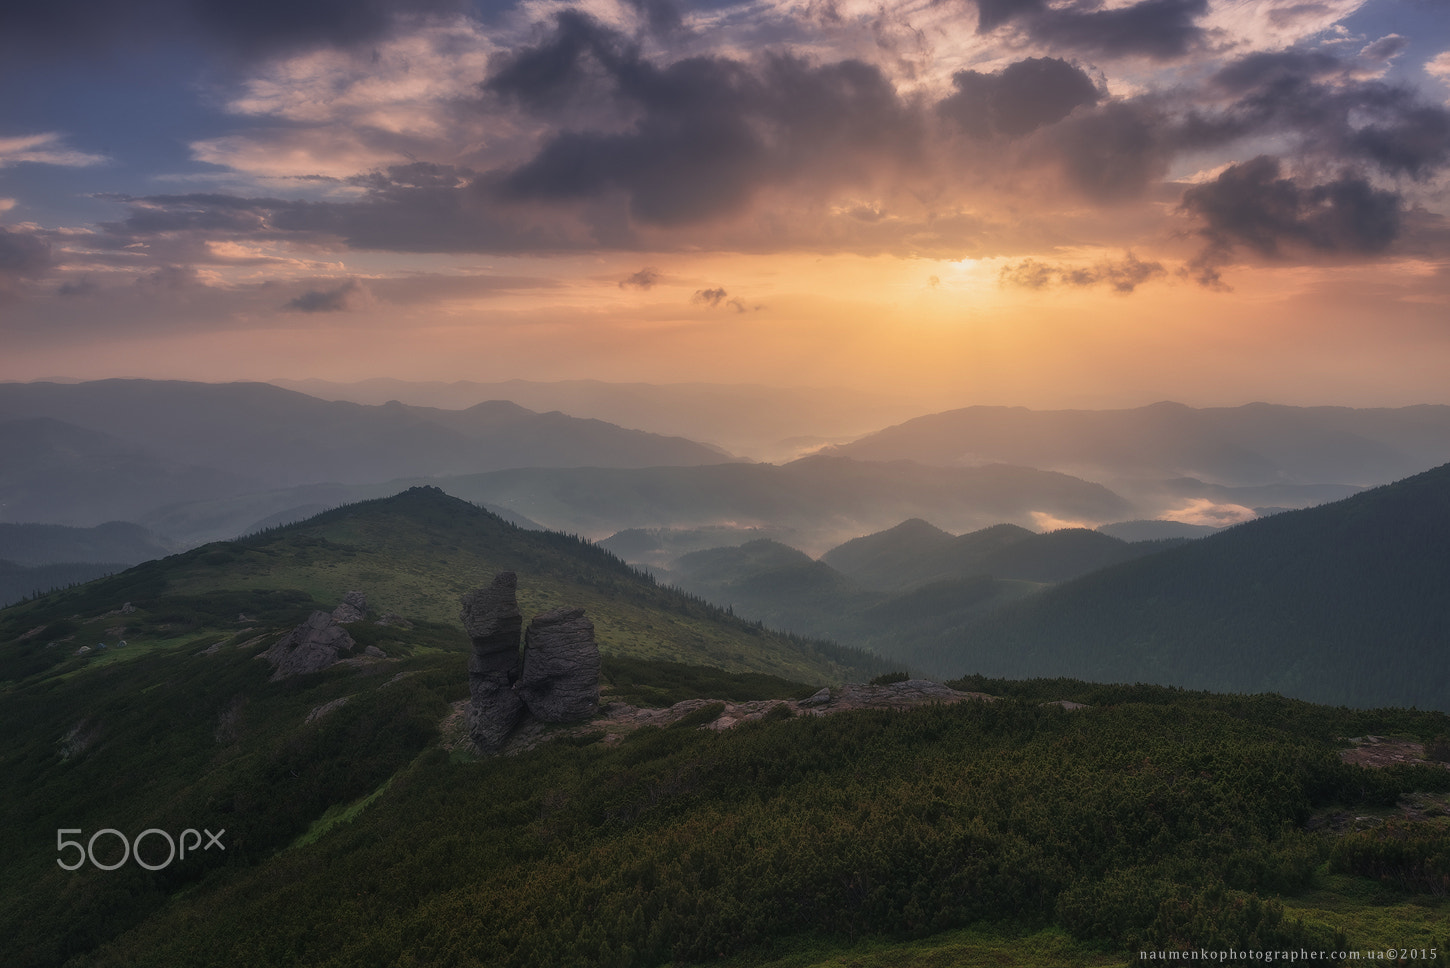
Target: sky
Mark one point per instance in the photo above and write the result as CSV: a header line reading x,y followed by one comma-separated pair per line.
x,y
1049,203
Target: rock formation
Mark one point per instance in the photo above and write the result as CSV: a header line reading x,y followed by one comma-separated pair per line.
x,y
354,606
492,618
560,681
557,680
312,646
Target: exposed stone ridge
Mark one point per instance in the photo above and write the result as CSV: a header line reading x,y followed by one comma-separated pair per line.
x,y
617,719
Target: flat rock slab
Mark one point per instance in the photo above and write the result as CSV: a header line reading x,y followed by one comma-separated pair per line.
x,y
615,720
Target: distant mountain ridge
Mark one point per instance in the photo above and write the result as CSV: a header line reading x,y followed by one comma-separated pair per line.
x,y
766,422
109,449
1255,444
885,591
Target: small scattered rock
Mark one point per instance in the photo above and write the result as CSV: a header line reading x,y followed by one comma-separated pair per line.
x,y
821,697
319,711
354,606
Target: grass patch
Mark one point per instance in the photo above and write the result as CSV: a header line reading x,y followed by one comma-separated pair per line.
x,y
1371,916
340,814
978,947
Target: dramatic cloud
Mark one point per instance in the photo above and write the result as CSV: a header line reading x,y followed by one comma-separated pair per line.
x,y
1018,99
643,279
1252,206
258,28
1123,275
1160,29
1116,152
1317,98
695,139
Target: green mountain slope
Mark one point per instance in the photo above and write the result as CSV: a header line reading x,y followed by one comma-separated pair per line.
x,y
138,702
1343,603
413,555
1155,820
351,835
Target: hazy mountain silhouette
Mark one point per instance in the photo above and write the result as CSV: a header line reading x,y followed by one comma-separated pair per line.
x,y
114,541
1249,445
109,443
823,500
766,422
60,473
884,591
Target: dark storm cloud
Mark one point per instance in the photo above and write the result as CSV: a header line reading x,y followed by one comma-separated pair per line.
x,y
1161,29
1320,103
1253,206
324,300
256,28
1317,97
643,279
1124,275
703,135
1018,99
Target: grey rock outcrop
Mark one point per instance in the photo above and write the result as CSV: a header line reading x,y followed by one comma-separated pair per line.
x,y
560,680
311,647
492,618
354,606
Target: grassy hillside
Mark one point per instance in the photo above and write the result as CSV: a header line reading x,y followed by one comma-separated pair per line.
x,y
1344,603
889,591
413,555
167,719
1153,820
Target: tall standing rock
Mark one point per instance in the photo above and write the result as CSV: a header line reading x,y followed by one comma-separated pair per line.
x,y
492,618
560,681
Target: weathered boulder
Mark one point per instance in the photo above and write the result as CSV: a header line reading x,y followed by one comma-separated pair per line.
x,y
354,606
560,681
311,647
492,618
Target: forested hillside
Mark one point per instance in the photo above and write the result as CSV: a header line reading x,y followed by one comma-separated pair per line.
x,y
1344,603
